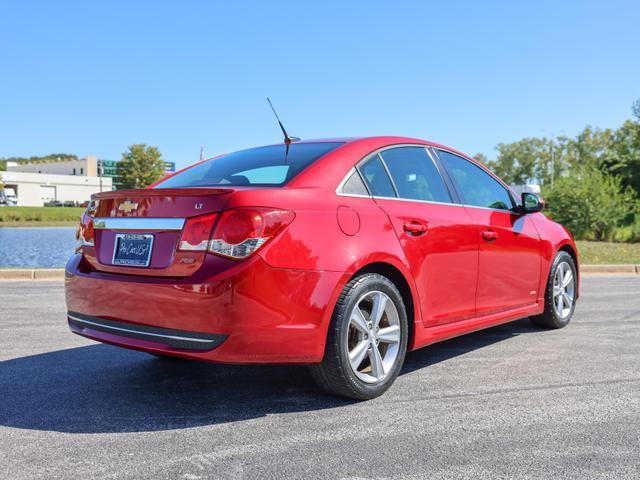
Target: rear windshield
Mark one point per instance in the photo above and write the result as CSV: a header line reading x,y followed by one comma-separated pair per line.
x,y
257,166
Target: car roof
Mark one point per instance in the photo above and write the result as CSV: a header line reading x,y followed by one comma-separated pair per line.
x,y
380,140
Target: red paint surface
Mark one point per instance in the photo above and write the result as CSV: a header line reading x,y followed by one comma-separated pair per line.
x,y
276,305
348,220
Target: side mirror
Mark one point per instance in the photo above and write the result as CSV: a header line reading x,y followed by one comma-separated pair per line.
x,y
531,203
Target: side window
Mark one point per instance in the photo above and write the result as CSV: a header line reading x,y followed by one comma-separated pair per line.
x,y
478,188
354,185
376,177
415,175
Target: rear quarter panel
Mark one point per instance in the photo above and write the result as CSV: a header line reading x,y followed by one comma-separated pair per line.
x,y
315,240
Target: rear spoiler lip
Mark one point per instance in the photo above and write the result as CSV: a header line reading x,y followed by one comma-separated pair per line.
x,y
163,192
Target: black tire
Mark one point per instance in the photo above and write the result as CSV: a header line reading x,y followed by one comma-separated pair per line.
x,y
550,318
334,374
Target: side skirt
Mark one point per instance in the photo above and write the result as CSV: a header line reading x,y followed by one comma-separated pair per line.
x,y
427,336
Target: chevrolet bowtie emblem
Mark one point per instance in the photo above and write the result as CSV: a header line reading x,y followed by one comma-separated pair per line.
x,y
128,206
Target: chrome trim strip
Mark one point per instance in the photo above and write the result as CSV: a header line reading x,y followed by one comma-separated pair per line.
x,y
428,202
139,332
511,212
137,223
353,195
420,201
449,204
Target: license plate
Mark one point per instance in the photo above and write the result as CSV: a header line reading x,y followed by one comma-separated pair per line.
x,y
132,249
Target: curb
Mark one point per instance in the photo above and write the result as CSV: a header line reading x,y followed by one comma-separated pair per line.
x,y
32,274
58,273
610,269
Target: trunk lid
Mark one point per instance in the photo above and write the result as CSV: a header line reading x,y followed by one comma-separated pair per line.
x,y
149,221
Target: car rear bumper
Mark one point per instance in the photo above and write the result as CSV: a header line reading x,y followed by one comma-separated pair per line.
x,y
145,335
238,312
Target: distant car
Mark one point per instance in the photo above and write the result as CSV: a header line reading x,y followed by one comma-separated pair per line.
x,y
8,197
69,203
341,254
53,203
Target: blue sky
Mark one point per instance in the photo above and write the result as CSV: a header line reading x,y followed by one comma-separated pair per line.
x,y
95,77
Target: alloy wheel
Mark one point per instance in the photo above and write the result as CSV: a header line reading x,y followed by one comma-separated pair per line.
x,y
563,290
373,337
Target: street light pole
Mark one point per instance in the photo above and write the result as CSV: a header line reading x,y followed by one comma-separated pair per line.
x,y
100,173
553,162
554,135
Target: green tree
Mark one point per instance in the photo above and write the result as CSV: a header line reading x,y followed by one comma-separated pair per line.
x,y
481,157
52,157
141,165
623,157
590,203
635,109
542,160
524,161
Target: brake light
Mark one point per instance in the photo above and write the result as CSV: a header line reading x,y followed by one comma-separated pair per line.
x,y
242,231
196,233
85,232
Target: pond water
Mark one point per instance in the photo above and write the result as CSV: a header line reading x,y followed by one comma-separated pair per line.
x,y
36,247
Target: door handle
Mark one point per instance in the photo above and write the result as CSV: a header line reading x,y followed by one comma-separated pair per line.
x,y
489,236
415,228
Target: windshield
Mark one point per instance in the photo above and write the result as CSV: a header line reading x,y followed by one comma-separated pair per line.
x,y
255,166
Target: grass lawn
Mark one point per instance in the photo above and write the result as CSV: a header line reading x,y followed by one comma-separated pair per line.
x,y
592,253
39,216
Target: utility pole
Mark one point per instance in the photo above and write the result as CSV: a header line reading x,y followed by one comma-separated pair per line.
x,y
553,162
554,136
100,173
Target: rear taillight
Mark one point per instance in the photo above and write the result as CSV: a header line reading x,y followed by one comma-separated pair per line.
x,y
241,231
85,232
197,232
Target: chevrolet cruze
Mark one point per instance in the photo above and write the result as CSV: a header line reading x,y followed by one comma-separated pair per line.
x,y
340,254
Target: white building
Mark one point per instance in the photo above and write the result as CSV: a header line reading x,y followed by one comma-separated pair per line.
x,y
35,189
83,166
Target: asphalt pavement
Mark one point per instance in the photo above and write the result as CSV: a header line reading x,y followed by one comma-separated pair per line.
x,y
509,402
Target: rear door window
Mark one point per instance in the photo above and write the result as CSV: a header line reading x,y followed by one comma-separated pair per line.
x,y
414,174
376,177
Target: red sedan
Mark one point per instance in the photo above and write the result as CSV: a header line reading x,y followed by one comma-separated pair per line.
x,y
340,254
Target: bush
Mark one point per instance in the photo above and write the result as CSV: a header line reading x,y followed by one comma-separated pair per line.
x,y
591,204
628,233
